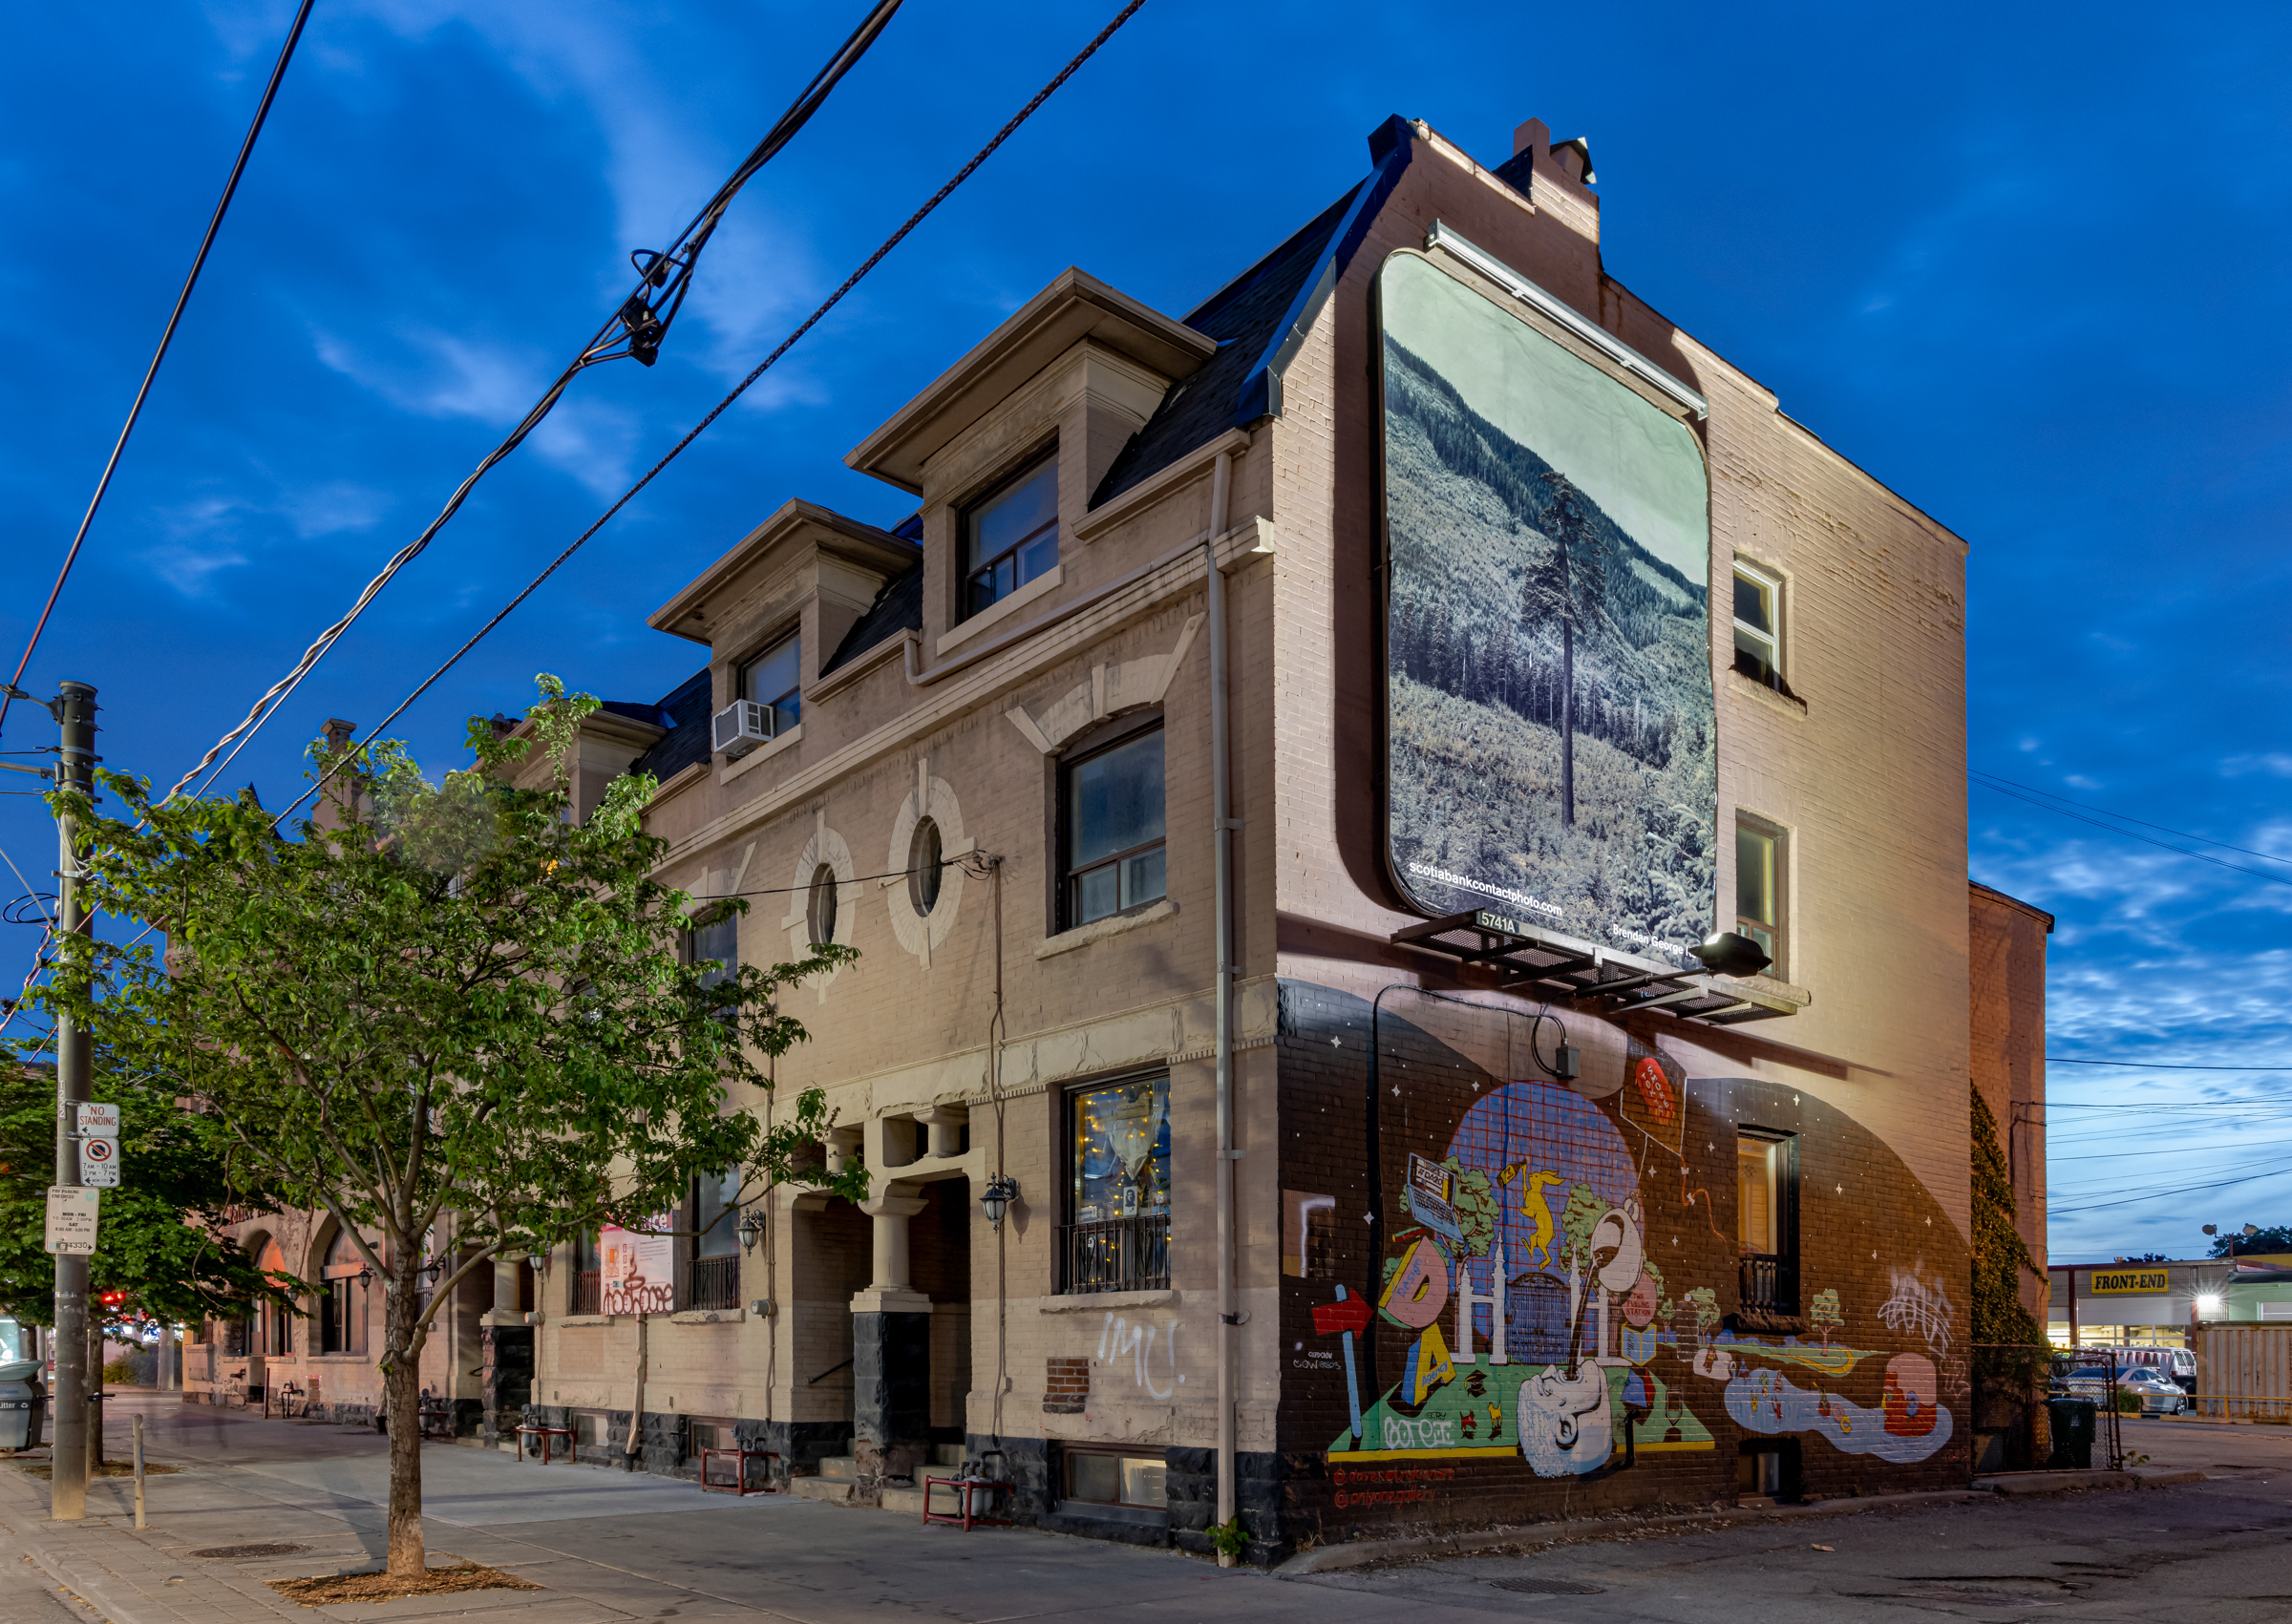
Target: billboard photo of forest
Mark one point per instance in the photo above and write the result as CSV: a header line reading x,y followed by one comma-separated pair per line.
x,y
1548,639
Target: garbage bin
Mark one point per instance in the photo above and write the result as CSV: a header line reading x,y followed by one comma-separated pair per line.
x,y
2076,1423
23,1403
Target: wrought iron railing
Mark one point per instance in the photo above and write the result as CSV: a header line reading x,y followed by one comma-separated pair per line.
x,y
1770,1284
588,1291
714,1283
1120,1254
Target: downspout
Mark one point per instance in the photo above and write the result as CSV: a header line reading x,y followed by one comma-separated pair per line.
x,y
1222,829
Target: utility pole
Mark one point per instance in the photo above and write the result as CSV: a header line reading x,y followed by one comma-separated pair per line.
x,y
75,711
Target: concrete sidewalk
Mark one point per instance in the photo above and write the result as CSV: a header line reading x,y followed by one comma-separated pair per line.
x,y
611,1547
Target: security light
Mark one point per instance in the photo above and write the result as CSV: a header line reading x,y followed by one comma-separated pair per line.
x,y
1000,1193
2208,1304
1724,953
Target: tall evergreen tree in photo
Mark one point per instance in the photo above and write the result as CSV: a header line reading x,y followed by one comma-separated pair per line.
x,y
1566,588
456,1001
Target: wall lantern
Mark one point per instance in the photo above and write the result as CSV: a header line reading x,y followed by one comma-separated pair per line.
x,y
1724,953
751,1229
1000,1193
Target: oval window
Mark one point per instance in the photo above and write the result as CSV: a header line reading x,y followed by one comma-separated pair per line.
x,y
923,868
820,910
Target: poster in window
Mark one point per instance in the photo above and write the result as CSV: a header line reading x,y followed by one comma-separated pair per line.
x,y
638,1267
1550,730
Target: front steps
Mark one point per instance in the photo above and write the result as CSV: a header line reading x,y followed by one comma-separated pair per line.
x,y
838,1482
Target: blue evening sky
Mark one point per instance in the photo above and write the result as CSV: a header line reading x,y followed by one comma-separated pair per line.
x,y
2026,264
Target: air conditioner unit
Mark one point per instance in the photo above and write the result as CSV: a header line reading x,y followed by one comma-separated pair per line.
x,y
740,726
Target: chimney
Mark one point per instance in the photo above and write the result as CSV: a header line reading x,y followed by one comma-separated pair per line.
x,y
1561,177
338,732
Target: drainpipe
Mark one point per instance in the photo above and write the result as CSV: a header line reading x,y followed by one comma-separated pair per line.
x,y
1222,825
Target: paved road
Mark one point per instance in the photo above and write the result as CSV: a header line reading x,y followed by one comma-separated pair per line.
x,y
611,1548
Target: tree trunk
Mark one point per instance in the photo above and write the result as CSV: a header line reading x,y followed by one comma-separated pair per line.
x,y
1567,724
402,1394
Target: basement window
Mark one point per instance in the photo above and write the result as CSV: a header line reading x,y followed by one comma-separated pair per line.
x,y
1106,1477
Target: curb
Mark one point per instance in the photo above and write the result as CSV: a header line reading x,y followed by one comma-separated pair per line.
x,y
2068,1481
1360,1554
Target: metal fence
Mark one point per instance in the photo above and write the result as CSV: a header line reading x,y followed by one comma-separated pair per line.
x,y
588,1291
714,1283
1769,1284
1119,1255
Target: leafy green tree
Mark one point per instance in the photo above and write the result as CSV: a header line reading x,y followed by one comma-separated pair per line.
x,y
2269,1238
443,999
160,1236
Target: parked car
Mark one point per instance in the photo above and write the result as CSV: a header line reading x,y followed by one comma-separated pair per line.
x,y
2159,1394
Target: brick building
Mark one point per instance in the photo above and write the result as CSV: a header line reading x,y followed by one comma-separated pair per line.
x,y
1475,1197
2006,960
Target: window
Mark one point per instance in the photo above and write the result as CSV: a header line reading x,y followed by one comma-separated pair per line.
x,y
1759,871
709,1432
774,680
819,909
277,1319
924,871
1766,1219
342,1309
713,1276
1011,537
1758,624
1117,1237
1113,813
588,1275
1117,1480
717,943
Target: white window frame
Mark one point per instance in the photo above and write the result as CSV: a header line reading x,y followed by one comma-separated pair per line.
x,y
1760,576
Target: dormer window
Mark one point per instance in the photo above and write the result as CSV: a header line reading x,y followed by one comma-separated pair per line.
x,y
773,679
1011,537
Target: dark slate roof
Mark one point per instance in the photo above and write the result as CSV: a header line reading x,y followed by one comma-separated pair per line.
x,y
1244,317
899,606
685,713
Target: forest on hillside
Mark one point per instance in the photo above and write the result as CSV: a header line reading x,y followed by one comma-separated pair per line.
x,y
1480,666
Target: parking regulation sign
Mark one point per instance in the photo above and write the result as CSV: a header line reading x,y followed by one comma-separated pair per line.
x,y
99,1163
96,1120
71,1211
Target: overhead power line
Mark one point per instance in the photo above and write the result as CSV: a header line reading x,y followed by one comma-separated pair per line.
x,y
2147,1066
741,388
198,262
1991,778
2160,1194
634,331
1999,785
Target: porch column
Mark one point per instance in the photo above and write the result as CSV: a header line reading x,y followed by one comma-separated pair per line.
x,y
891,1357
944,1124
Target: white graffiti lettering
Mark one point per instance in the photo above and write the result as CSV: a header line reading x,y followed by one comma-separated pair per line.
x,y
1118,1340
1918,1307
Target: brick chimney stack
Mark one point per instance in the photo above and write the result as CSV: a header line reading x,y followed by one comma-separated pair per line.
x,y
338,732
1561,177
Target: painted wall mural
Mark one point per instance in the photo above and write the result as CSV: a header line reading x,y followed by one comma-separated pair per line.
x,y
1538,1283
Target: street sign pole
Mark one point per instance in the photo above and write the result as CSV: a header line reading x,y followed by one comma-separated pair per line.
x,y
75,711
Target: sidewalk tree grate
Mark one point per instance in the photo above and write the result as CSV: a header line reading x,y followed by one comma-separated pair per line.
x,y
1546,1587
240,1552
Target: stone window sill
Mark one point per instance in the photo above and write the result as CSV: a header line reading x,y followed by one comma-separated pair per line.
x,y
1003,609
761,754
583,1320
1095,1303
1099,930
1789,704
708,1317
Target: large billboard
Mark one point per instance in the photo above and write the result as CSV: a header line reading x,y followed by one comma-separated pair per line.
x,y
1550,737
